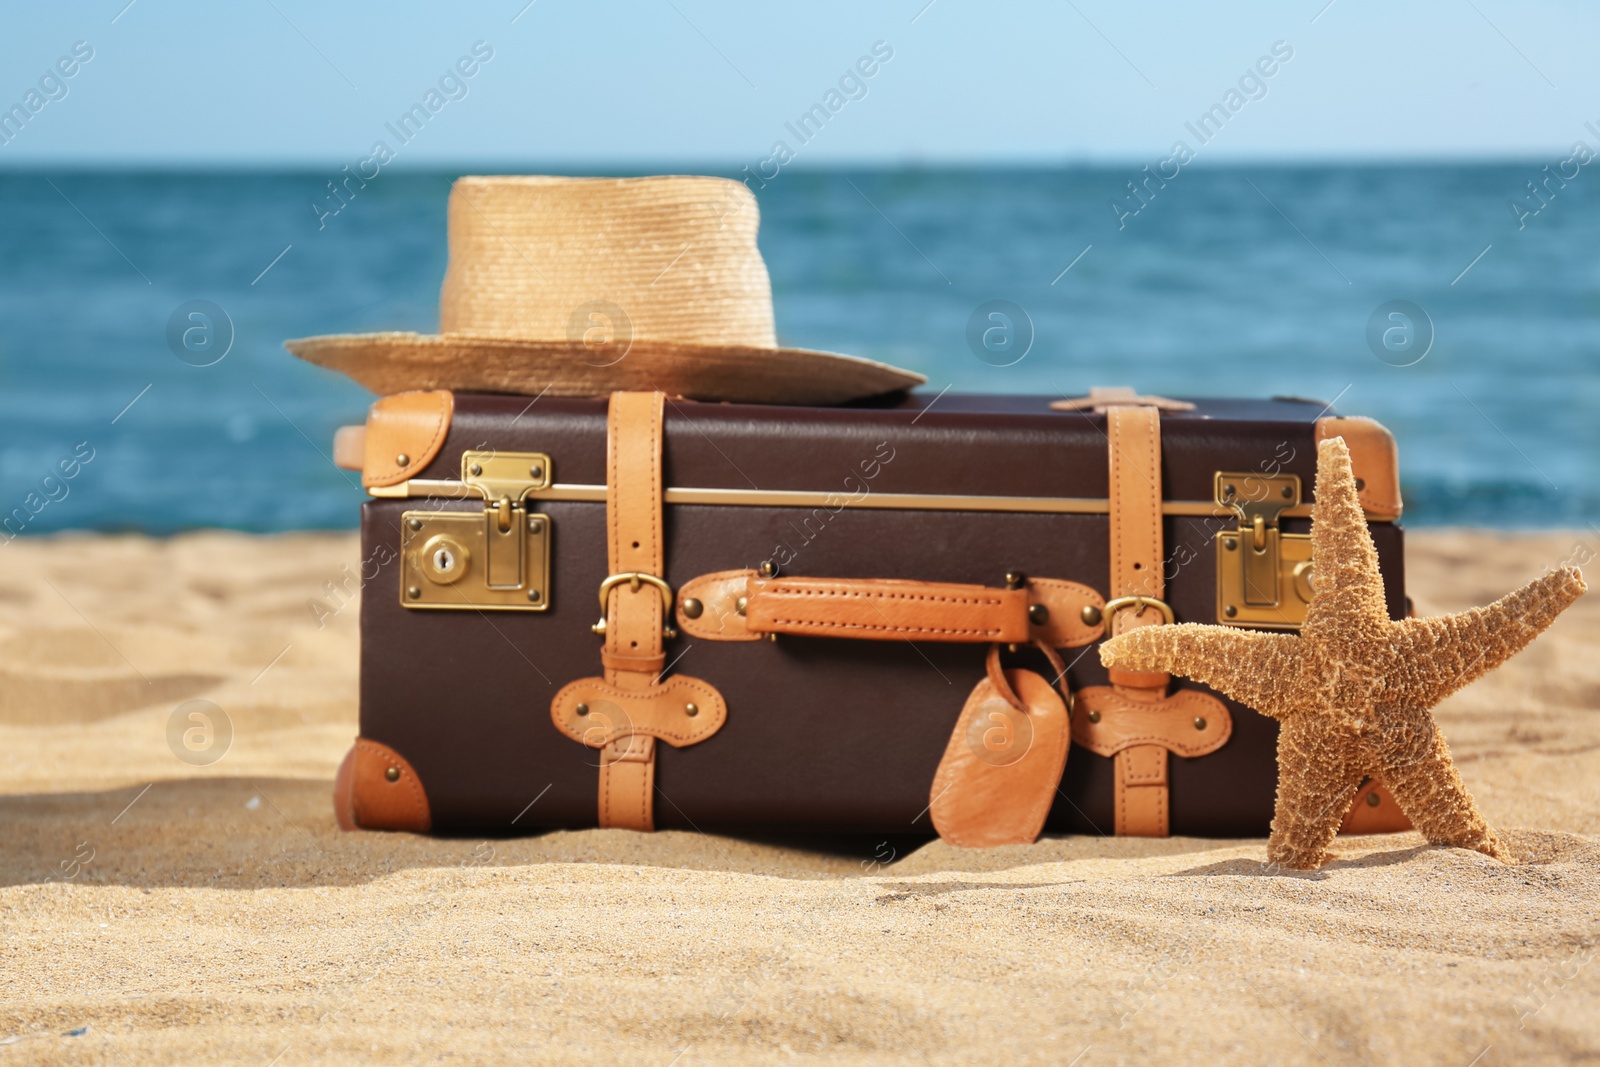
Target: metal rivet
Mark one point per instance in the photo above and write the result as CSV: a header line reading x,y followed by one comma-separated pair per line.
x,y
413,592
1287,492
772,638
1361,483
402,460
1229,490
1094,716
582,710
393,774
740,604
475,470
1230,611
692,608
1038,614
1015,579
691,710
1232,544
768,569
1199,723
534,595
415,524
1373,800
536,472
535,525
1090,615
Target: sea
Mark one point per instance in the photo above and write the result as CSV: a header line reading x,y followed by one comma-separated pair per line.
x,y
1458,304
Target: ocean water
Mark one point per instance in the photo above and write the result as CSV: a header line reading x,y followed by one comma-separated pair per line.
x,y
1251,281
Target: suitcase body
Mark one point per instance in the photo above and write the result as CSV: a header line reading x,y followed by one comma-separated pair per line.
x,y
822,734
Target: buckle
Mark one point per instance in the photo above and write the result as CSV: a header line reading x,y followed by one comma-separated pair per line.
x,y
633,579
1115,605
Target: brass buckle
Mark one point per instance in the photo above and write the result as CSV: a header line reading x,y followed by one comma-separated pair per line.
x,y
633,579
1117,604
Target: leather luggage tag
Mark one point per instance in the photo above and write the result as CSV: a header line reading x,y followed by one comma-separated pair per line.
x,y
1004,761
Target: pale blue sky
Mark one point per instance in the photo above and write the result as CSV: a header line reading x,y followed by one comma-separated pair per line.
x,y
712,82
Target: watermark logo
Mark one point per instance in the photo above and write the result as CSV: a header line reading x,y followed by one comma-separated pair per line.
x,y
1400,333
999,332
999,734
200,333
199,733
600,333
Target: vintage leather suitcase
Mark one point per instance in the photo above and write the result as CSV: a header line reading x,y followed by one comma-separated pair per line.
x,y
797,604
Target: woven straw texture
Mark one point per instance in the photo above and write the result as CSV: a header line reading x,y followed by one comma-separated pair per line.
x,y
579,286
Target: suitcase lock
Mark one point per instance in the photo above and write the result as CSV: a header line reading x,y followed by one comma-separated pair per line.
x,y
497,559
1263,573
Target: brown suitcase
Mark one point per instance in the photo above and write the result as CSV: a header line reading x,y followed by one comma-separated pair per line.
x,y
832,583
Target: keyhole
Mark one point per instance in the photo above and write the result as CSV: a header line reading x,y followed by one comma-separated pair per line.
x,y
444,560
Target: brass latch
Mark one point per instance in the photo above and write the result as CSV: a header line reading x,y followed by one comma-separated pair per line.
x,y
1263,573
498,559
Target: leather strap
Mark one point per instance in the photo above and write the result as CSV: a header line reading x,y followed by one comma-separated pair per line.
x,y
1103,398
1134,435
634,619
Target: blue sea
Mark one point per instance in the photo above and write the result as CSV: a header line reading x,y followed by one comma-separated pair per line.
x,y
1253,281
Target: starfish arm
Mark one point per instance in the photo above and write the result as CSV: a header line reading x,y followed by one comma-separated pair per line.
x,y
1317,779
1348,588
1415,764
1248,666
1437,656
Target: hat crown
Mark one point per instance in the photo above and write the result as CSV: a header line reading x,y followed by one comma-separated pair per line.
x,y
604,259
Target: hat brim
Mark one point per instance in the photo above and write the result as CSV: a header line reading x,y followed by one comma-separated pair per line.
x,y
398,362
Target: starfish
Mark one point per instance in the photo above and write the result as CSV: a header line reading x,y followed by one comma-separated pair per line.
x,y
1353,690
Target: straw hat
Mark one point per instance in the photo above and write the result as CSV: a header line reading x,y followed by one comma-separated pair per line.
x,y
581,286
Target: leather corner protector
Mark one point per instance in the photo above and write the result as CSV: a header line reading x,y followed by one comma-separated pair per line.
x,y
1367,817
409,425
350,448
718,618
660,711
380,791
1066,602
1375,459
1188,723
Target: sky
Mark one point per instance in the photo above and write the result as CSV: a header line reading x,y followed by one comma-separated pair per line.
x,y
651,83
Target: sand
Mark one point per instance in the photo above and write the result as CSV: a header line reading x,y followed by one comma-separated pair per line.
x,y
155,911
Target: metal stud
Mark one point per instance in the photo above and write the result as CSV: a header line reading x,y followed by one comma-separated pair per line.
x,y
413,592
768,569
393,774
691,710
402,460
534,596
535,525
1199,722
692,608
1373,800
475,470
773,638
1038,614
1230,611
1232,544
1094,716
582,710
1361,483
536,472
1015,579
415,524
740,604
1090,615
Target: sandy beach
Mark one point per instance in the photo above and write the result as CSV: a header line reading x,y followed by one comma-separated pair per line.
x,y
155,909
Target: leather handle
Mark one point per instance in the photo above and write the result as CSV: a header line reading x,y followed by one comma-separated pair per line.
x,y
886,609
742,606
